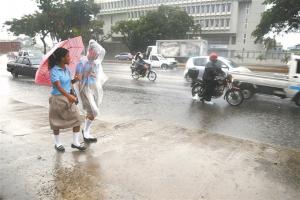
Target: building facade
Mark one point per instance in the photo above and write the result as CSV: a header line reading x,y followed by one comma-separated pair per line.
x,y
8,46
226,24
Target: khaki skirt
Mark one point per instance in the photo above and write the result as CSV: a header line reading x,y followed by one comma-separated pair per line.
x,y
62,114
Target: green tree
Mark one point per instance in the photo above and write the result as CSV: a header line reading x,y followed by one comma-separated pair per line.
x,y
132,36
269,43
283,15
32,26
60,20
164,23
73,18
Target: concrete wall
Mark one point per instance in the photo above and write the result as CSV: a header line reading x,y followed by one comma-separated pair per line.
x,y
7,46
114,48
111,20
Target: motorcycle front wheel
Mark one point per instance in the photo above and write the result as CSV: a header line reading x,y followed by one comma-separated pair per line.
x,y
135,75
234,97
152,76
197,89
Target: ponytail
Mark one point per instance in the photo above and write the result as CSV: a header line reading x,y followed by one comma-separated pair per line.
x,y
56,57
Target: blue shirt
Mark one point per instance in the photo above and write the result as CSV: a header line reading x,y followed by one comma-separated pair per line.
x,y
63,76
86,68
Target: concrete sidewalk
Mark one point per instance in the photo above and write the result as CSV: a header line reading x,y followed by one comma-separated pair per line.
x,y
138,159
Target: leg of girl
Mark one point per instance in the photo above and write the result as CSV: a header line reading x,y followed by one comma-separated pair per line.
x,y
57,144
87,129
76,143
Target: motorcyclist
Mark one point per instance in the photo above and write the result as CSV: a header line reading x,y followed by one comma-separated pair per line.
x,y
140,64
212,69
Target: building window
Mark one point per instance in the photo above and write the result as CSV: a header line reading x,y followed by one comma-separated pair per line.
x,y
212,8
222,23
188,10
229,7
211,22
247,8
192,10
198,9
217,8
246,23
216,22
223,8
206,23
227,22
244,39
202,9
207,8
233,40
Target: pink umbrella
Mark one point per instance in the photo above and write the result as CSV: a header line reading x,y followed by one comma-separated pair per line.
x,y
75,47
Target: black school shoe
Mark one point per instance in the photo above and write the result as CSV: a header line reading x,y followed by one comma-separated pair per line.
x,y
59,148
81,147
89,140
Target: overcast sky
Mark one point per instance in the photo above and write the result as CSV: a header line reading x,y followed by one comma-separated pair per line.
x,y
10,9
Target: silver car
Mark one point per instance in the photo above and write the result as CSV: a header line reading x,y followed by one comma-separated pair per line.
x,y
200,62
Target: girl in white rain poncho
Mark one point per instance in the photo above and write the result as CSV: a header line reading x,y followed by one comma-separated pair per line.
x,y
89,89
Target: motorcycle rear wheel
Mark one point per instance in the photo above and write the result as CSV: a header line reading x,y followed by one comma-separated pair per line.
x,y
234,97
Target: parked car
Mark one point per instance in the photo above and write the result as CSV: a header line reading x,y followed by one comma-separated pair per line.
x,y
157,60
124,56
25,66
23,53
200,62
30,53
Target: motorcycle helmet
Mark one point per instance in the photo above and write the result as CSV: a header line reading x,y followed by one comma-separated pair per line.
x,y
138,54
213,57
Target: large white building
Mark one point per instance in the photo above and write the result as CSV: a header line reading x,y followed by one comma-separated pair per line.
x,y
226,24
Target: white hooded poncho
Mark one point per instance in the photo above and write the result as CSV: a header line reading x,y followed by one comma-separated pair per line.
x,y
89,89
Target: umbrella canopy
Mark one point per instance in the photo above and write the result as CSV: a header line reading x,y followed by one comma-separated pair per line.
x,y
75,47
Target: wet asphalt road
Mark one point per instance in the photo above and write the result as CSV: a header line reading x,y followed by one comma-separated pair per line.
x,y
264,119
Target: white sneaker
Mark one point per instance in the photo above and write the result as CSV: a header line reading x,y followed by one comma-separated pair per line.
x,y
209,102
196,98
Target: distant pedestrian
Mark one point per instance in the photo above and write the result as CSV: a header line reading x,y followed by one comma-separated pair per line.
x,y
63,113
91,75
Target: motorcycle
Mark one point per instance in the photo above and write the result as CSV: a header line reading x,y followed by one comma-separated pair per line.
x,y
233,95
136,73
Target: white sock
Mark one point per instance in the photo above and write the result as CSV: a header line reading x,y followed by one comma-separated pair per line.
x,y
76,138
87,128
57,140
